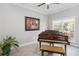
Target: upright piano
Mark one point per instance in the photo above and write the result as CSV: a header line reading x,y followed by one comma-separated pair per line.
x,y
52,37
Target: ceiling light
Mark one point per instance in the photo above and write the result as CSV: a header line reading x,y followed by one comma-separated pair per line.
x,y
47,4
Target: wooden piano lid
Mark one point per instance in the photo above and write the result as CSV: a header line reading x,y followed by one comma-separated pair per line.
x,y
52,32
53,35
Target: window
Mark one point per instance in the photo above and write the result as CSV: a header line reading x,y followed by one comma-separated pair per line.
x,y
65,26
57,25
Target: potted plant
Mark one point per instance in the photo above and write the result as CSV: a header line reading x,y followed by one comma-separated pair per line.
x,y
7,44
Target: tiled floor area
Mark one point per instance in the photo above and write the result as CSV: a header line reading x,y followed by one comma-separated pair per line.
x,y
33,50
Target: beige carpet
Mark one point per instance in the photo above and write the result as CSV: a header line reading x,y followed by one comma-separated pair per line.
x,y
33,50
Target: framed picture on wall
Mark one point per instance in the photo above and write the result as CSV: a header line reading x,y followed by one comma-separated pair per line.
x,y
31,23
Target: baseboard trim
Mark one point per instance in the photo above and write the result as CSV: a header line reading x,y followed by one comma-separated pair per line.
x,y
34,42
29,43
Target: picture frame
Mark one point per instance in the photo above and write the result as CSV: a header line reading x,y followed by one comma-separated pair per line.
x,y
31,23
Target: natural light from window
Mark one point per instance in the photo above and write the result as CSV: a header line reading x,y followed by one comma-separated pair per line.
x,y
66,26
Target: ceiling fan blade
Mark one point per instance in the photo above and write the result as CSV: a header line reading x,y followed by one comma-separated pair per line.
x,y
40,4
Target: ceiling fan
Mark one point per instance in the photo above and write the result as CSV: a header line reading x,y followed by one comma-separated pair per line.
x,y
47,4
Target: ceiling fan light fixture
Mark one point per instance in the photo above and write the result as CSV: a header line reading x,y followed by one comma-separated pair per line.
x,y
47,4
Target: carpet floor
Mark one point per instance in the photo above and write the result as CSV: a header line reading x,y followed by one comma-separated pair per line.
x,y
33,50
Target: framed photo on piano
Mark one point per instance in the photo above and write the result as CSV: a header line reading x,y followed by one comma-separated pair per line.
x,y
31,23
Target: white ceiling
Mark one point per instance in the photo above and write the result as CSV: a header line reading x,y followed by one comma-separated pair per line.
x,y
53,7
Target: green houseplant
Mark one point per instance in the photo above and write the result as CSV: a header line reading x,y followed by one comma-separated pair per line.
x,y
7,44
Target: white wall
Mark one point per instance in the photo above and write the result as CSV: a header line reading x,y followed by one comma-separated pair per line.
x,y
69,13
12,23
49,22
1,22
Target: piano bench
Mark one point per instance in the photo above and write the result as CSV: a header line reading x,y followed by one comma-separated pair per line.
x,y
52,49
